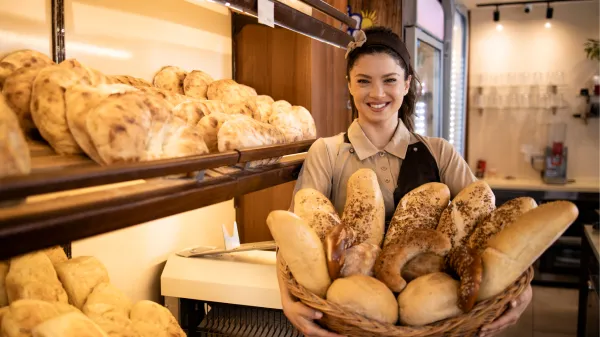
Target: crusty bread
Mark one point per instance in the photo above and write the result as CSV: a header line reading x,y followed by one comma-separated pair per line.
x,y
17,91
3,271
172,98
108,307
337,241
393,257
189,111
503,216
360,259
181,140
21,59
519,245
129,80
210,126
170,78
56,255
260,107
68,325
14,152
280,106
229,91
428,299
94,76
465,262
32,276
420,208
364,210
24,315
366,296
79,276
467,209
153,320
296,123
422,264
301,249
196,84
317,210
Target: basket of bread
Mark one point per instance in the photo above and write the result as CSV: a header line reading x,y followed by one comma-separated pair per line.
x,y
442,268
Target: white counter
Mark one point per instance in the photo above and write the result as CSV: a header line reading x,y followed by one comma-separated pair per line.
x,y
580,185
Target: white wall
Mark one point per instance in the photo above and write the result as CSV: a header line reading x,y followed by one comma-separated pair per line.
x,y
525,45
135,37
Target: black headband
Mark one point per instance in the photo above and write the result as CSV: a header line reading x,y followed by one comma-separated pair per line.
x,y
384,40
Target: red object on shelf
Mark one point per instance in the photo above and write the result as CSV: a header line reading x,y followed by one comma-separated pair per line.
x,y
480,169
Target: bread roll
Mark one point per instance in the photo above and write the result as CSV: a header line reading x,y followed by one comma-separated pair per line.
x,y
229,91
365,296
393,258
153,320
196,84
360,259
364,210
280,106
467,209
503,216
170,78
239,108
17,91
3,297
301,249
14,152
21,59
189,111
422,264
32,276
94,76
69,325
108,307
210,126
429,299
129,80
80,100
24,315
296,123
260,106
466,262
420,208
172,98
3,312
337,241
80,276
519,245
56,255
317,210
181,140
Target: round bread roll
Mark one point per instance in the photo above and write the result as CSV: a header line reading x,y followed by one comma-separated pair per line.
x,y
74,324
429,299
260,106
79,276
229,91
287,121
423,264
196,84
239,108
190,111
317,210
182,140
17,91
279,106
48,106
173,98
153,320
95,77
108,307
365,296
170,78
24,315
21,59
210,126
14,152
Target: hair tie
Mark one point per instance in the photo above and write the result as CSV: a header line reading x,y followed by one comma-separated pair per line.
x,y
359,40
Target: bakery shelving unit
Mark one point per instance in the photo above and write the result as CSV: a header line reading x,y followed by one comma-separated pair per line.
x,y
88,199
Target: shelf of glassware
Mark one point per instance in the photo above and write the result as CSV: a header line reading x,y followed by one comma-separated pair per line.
x,y
549,97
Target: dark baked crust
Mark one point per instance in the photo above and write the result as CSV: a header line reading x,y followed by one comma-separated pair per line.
x,y
466,263
337,241
423,264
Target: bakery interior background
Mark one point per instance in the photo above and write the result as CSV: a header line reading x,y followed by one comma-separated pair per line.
x,y
503,125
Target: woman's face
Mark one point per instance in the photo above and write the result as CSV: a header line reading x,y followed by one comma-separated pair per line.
x,y
378,87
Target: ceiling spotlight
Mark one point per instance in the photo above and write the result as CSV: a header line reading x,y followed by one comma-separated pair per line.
x,y
549,12
548,25
499,27
496,15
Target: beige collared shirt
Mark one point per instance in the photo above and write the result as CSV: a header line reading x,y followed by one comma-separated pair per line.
x,y
330,162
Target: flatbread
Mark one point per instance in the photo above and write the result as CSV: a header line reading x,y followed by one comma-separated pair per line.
x,y
21,59
14,152
196,84
17,91
170,78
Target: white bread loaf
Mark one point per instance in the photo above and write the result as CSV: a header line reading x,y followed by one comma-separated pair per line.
x,y
420,208
366,296
94,76
296,123
3,297
170,78
79,276
428,299
260,106
189,111
314,207
32,276
153,320
196,84
229,91
24,315
280,106
301,249
108,307
210,126
17,91
519,245
502,216
68,325
21,59
48,106
364,210
467,209
80,100
14,152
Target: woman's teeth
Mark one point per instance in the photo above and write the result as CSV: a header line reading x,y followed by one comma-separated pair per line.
x,y
377,106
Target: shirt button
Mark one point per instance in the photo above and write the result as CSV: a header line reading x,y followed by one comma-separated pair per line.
x,y
384,168
351,150
381,154
387,181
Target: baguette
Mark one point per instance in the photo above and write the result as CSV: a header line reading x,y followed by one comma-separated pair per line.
x,y
519,245
301,249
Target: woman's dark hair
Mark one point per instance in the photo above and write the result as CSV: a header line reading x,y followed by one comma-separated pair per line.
x,y
407,109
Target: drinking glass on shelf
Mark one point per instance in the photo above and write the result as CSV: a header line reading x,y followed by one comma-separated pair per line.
x,y
538,78
525,79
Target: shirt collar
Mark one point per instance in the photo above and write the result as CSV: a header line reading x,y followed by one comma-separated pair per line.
x,y
363,147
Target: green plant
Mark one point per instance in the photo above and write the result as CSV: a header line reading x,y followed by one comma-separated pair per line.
x,y
592,49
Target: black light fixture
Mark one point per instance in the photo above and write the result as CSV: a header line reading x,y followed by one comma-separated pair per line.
x,y
496,15
549,12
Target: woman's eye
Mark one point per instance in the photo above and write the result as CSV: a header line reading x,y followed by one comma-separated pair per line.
x,y
390,80
363,81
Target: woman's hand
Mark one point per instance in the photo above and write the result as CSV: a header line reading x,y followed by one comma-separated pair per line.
x,y
510,317
302,316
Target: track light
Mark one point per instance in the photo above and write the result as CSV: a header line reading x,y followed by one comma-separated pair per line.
x,y
549,12
496,15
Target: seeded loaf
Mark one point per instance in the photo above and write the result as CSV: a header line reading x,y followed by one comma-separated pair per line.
x,y
316,209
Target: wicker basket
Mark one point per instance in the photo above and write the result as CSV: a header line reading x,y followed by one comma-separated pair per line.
x,y
350,324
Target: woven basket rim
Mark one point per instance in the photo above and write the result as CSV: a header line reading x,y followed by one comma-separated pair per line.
x,y
497,303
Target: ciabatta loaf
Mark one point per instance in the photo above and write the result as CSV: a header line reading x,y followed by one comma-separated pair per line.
x,y
79,276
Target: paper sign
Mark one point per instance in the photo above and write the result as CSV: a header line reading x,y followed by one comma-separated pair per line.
x,y
266,13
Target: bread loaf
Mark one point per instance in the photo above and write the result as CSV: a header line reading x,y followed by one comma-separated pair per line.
x,y
429,299
519,245
210,126
317,210
337,241
360,259
129,80
182,140
17,91
466,262
172,98
301,249
467,209
260,107
296,123
503,216
420,208
32,276
153,320
69,325
423,264
170,78
3,311
14,152
21,59
3,297
56,255
229,91
366,296
189,111
239,108
108,307
24,315
79,276
280,106
94,76
364,210
196,84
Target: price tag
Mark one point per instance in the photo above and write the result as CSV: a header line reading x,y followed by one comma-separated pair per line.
x,y
266,13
